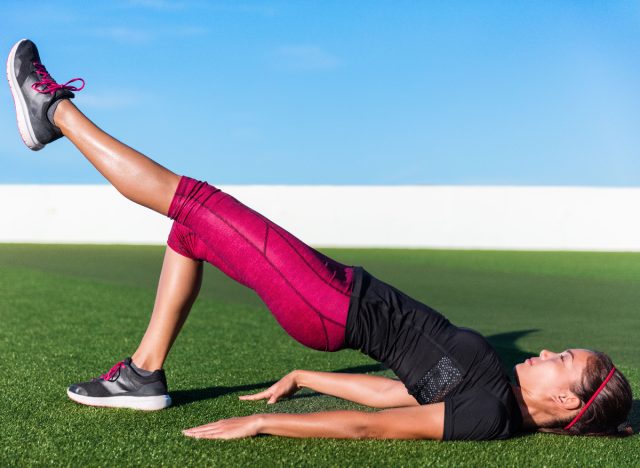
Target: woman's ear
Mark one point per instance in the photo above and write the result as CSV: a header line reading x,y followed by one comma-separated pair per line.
x,y
567,401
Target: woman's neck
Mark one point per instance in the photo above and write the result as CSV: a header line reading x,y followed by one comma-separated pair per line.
x,y
534,416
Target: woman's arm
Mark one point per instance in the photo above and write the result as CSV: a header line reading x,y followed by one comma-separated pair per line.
x,y
418,422
369,390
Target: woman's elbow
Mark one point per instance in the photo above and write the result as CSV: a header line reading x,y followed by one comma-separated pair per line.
x,y
374,428
366,427
381,428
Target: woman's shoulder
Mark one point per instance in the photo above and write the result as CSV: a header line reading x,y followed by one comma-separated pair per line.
x,y
479,414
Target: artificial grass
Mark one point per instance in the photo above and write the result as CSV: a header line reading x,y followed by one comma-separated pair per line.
x,y
67,313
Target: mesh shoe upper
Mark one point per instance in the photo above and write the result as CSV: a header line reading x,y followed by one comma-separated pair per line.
x,y
30,74
123,380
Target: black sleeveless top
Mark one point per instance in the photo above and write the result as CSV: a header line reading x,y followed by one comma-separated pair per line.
x,y
436,360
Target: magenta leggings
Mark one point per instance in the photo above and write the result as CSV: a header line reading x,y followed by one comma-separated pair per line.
x,y
307,292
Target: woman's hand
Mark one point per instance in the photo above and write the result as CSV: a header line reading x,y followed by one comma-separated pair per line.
x,y
234,428
283,388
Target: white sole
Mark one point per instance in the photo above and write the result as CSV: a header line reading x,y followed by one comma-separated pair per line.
x,y
22,113
149,403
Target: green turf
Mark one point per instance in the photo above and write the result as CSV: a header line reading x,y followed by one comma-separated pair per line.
x,y
68,313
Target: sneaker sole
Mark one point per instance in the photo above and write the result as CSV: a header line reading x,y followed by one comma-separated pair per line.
x,y
150,403
22,112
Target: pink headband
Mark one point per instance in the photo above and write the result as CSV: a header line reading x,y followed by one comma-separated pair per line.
x,y
585,407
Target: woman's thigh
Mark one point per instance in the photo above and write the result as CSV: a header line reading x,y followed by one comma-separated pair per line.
x,y
307,292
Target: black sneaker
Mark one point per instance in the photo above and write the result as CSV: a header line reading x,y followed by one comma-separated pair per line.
x,y
123,387
35,95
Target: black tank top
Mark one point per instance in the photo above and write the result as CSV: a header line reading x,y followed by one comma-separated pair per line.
x,y
436,360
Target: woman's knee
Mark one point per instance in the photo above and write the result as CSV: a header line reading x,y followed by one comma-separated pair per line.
x,y
183,241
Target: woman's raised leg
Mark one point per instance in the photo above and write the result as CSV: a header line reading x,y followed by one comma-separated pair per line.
x,y
133,174
44,113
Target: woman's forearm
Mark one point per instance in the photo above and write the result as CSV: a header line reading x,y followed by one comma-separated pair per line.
x,y
399,423
369,390
330,424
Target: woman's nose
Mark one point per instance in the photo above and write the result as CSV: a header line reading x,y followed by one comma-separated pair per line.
x,y
544,354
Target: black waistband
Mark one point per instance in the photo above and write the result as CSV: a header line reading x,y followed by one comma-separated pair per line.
x,y
352,313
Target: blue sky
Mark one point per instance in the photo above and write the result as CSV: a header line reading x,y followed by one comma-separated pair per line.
x,y
344,92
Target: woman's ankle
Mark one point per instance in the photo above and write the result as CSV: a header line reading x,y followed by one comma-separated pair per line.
x,y
149,363
61,107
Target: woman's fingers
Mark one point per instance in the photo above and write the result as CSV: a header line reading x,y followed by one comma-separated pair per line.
x,y
200,429
234,428
272,394
257,396
207,431
285,387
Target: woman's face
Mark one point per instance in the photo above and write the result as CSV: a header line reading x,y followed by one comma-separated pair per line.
x,y
551,375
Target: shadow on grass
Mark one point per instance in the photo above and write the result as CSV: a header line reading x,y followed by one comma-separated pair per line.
x,y
185,397
634,416
504,343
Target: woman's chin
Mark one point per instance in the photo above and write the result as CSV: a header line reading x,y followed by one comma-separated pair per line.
x,y
515,373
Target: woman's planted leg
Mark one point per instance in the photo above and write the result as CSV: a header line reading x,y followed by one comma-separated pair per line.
x,y
178,288
139,382
133,174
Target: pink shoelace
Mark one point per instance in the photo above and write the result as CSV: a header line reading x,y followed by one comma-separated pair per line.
x,y
47,85
112,372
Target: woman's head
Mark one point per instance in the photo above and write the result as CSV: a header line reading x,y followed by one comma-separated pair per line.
x,y
564,382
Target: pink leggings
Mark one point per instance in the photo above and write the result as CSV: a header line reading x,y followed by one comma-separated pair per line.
x,y
307,292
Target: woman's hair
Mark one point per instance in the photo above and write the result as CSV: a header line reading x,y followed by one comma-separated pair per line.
x,y
607,414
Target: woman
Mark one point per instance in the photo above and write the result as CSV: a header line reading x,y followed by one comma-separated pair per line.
x,y
451,383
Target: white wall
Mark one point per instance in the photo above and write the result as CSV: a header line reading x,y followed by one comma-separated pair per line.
x,y
566,218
